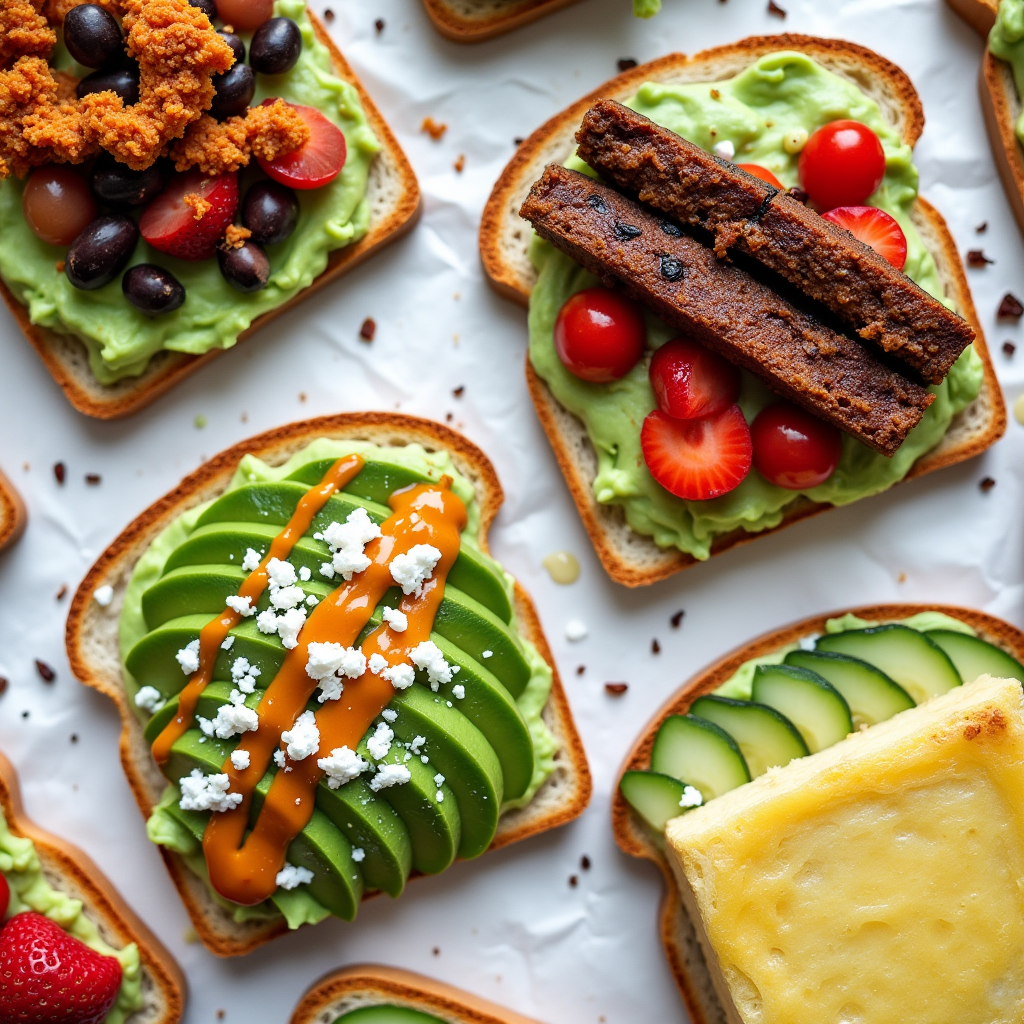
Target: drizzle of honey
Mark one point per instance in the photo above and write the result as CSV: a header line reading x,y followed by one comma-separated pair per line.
x,y
562,567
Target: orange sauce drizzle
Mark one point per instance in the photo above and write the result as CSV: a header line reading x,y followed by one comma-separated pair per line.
x,y
213,634
243,868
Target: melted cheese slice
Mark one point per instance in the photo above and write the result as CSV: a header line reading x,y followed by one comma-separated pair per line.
x,y
880,881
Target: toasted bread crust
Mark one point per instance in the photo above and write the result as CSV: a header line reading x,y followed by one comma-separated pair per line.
x,y
372,984
13,516
458,21
629,558
91,638
64,356
69,869
633,837
979,14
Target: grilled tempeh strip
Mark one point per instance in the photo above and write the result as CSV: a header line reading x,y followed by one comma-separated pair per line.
x,y
722,306
825,262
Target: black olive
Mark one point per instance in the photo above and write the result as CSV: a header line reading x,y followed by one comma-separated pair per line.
x,y
236,44
270,211
92,36
234,93
118,185
208,7
152,289
123,81
247,268
101,251
275,47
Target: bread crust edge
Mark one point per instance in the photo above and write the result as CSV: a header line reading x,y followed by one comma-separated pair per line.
x,y
462,29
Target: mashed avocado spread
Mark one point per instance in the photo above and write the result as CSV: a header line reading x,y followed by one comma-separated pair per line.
x,y
1006,41
298,905
120,339
19,864
755,111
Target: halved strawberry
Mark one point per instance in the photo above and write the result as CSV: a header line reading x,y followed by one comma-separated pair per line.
x,y
697,459
315,164
873,227
690,381
169,222
761,172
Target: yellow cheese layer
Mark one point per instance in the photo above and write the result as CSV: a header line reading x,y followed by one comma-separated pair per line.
x,y
880,881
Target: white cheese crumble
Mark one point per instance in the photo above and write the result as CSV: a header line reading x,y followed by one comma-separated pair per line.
x,y
341,766
280,573
726,150
229,642
379,744
252,560
188,658
286,626
396,619
242,605
428,656
439,780
244,675
413,568
488,654
305,573
149,699
439,796
303,738
401,677
346,541
312,600
329,662
459,691
103,595
377,663
291,877
201,792
283,598
389,775
417,743
240,759
389,715
231,719
279,758
575,630
358,854
692,797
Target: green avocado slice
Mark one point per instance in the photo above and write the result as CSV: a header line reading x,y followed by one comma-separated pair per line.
x,y
376,481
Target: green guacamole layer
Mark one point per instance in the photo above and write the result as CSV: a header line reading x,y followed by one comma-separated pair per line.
x,y
19,864
297,905
1006,41
780,93
120,339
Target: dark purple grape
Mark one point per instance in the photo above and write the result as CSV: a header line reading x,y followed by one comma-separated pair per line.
x,y
275,47
92,36
235,89
247,268
152,290
270,211
236,44
118,185
101,251
208,7
123,81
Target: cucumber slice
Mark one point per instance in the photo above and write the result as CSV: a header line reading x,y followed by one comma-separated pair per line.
x,y
918,664
813,705
765,737
656,798
873,697
699,753
975,657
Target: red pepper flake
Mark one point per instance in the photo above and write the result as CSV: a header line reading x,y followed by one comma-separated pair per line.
x,y
677,619
459,391
1009,348
93,479
580,669
449,416
220,1014
368,329
655,647
518,141
1010,307
774,8
460,164
982,227
585,862
986,485
328,14
573,881
62,593
379,25
3,685
616,689
59,266
627,63
977,258
433,128
436,951
59,472
44,670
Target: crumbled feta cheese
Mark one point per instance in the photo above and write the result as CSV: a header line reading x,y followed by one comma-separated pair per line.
x,y
401,677
279,758
252,560
439,796
413,568
424,759
389,775
341,766
347,540
103,595
417,743
149,699
327,570
488,654
207,792
242,605
459,691
230,720
284,598
358,854
439,780
188,658
303,738
305,573
291,877
244,675
312,600
726,150
380,742
692,797
240,759
389,715
377,663
289,624
396,619
229,642
428,656
808,643
281,573
575,630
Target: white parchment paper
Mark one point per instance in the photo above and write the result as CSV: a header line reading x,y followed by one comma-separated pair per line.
x,y
508,926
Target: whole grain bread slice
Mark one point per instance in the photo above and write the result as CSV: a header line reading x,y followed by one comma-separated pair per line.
x,y
678,935
92,643
365,985
12,513
628,557
394,197
70,871
473,21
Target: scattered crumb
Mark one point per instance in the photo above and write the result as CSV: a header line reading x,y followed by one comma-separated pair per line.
x,y
190,936
977,258
677,619
1009,348
93,479
449,416
573,881
715,94
436,951
46,673
3,685
798,194
379,25
199,421
986,485
328,14
655,647
585,863
982,227
459,391
59,266
460,164
433,128
62,593
74,737
235,236
199,205
616,689
626,63
220,1013
580,669
518,141
302,396
368,329
774,8
1010,307
24,714
25,466
59,472
902,578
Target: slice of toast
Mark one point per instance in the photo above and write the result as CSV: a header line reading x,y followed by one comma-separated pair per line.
x,y
628,557
678,934
1000,104
473,21
70,871
92,643
394,197
371,985
12,513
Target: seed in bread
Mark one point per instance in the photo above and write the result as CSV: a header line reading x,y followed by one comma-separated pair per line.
x,y
721,305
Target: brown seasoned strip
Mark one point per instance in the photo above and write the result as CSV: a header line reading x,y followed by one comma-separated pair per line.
x,y
725,308
823,261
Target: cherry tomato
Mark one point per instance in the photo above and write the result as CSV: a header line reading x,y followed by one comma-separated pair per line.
x,y
873,227
600,335
761,172
842,164
689,381
792,448
5,897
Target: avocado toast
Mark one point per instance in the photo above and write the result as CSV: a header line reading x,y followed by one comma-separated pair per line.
x,y
479,752
925,651
12,513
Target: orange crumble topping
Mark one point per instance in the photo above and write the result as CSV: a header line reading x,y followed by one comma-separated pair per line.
x,y
198,204
236,235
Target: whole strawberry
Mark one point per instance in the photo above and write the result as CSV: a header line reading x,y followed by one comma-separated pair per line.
x,y
49,977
